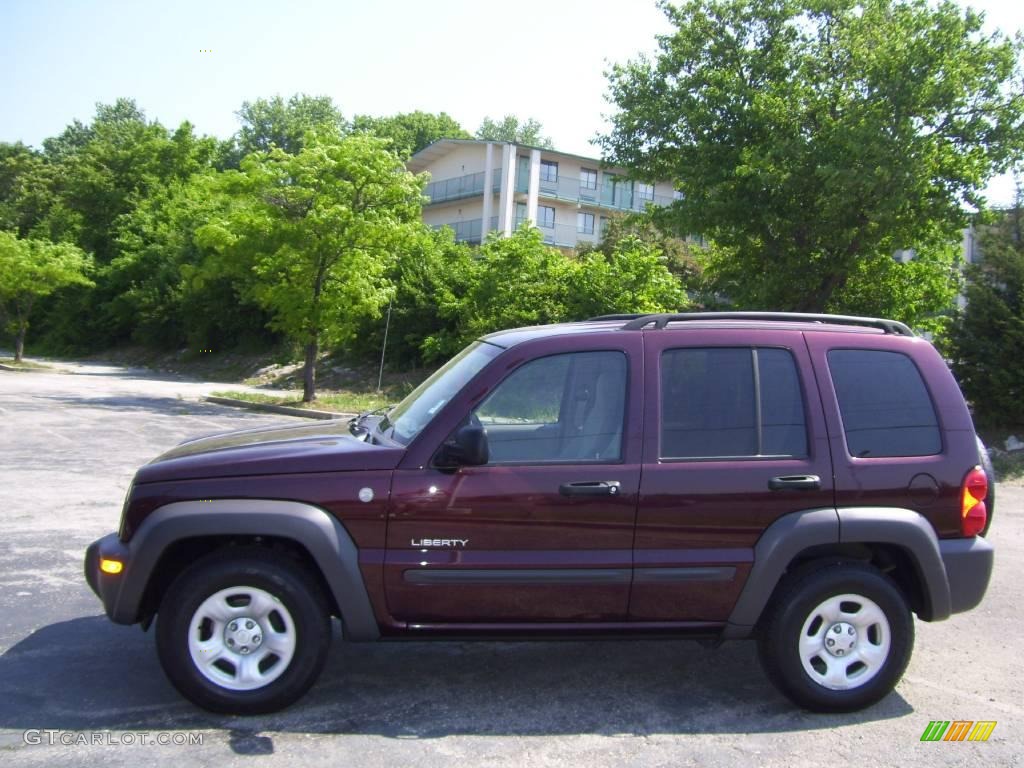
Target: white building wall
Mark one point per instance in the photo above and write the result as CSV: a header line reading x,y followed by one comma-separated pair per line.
x,y
465,159
462,160
462,210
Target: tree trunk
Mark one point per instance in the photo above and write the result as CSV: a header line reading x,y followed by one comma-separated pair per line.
x,y
817,301
19,343
309,373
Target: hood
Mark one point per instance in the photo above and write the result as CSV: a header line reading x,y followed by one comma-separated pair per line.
x,y
322,447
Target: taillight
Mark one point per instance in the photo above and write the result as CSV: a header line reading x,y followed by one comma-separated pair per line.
x,y
972,502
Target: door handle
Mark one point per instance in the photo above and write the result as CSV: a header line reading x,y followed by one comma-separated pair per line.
x,y
795,482
591,488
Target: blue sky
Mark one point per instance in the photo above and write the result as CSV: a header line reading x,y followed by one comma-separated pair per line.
x,y
470,58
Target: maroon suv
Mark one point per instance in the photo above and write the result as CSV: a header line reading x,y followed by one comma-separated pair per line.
x,y
808,481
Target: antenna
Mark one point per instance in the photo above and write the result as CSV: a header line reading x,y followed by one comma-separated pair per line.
x,y
384,346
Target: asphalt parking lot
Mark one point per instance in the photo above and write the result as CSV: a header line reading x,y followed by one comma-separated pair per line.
x,y
69,444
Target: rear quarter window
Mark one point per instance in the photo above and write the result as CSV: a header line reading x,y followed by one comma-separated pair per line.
x,y
884,404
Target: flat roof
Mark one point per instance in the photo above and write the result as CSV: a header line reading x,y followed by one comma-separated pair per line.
x,y
442,147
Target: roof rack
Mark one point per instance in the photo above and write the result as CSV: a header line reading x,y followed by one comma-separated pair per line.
x,y
659,321
601,318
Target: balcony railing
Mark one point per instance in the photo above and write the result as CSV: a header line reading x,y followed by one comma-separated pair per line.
x,y
468,230
568,236
621,195
461,186
562,235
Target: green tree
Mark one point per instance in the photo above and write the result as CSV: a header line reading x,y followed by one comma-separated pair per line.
x,y
20,193
30,269
124,158
632,276
269,123
808,136
681,254
987,341
71,140
316,231
510,128
431,277
519,281
98,177
166,292
410,132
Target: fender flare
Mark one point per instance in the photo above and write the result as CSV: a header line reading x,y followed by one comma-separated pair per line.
x,y
790,535
326,540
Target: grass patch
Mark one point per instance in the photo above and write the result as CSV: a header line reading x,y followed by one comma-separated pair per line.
x,y
1009,465
24,365
338,401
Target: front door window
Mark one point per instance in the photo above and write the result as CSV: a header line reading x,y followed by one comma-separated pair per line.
x,y
562,408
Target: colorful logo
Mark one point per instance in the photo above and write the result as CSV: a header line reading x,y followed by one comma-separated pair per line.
x,y
958,730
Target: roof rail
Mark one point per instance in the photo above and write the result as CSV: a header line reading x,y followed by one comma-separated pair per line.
x,y
600,318
659,321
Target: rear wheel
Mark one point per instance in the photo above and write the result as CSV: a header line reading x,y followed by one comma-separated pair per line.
x,y
245,634
837,639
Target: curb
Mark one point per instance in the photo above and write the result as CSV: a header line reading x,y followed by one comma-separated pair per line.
x,y
284,409
11,368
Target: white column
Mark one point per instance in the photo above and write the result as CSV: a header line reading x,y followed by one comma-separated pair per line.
x,y
485,225
507,194
534,189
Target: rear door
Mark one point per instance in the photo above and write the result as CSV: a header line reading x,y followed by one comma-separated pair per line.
x,y
544,531
900,434
734,440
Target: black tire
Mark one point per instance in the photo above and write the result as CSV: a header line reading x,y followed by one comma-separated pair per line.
x,y
796,601
304,621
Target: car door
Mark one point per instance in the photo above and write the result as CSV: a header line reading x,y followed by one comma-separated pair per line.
x,y
735,440
543,532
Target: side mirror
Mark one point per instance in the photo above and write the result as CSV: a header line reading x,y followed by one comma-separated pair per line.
x,y
468,448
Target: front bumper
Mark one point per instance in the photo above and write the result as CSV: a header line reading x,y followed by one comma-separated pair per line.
x,y
968,565
108,587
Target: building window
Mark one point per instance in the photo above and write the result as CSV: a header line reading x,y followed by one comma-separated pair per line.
x,y
520,214
677,194
645,192
619,191
604,226
545,216
585,223
548,171
588,179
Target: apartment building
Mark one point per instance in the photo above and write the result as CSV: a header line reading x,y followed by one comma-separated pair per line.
x,y
480,186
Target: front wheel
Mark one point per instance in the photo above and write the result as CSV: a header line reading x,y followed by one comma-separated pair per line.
x,y
244,634
838,639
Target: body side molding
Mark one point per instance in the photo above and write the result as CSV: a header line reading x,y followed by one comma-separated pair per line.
x,y
321,534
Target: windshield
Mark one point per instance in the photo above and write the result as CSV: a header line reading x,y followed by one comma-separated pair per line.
x,y
411,415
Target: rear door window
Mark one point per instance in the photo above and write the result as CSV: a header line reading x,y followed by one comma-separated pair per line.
x,y
731,402
884,404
